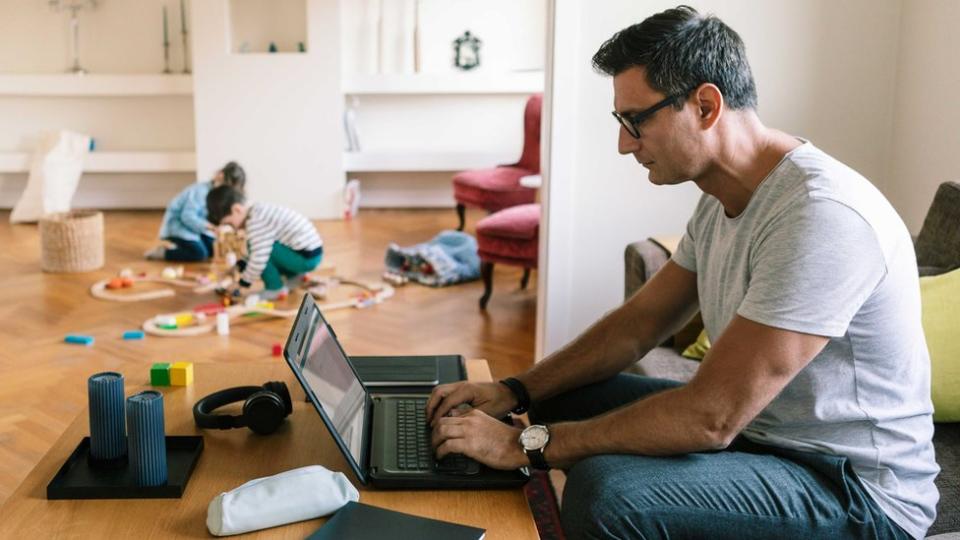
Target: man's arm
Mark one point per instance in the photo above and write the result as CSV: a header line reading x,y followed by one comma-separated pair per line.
x,y
660,308
743,372
621,337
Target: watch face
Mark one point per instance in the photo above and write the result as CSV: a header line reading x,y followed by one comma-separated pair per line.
x,y
534,437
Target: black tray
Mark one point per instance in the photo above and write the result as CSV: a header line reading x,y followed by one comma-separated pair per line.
x,y
76,479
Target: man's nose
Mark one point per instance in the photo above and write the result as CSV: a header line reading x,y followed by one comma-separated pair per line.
x,y
626,144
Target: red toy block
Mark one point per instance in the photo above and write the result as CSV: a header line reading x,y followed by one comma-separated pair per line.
x,y
115,283
277,349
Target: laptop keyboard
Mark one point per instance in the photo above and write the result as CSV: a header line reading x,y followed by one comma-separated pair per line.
x,y
413,435
414,452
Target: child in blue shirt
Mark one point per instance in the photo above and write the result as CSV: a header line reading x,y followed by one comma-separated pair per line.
x,y
185,224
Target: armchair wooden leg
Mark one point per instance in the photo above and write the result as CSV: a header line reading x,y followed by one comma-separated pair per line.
x,y
486,272
525,279
461,213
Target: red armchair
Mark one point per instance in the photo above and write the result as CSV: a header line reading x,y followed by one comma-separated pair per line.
x,y
498,188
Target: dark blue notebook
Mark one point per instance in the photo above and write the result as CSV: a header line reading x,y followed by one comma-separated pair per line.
x,y
358,521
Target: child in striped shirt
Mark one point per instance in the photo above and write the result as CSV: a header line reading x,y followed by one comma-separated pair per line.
x,y
283,244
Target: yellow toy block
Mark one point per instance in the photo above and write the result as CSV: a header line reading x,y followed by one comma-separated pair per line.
x,y
184,319
265,305
181,374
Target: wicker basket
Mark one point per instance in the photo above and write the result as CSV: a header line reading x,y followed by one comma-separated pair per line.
x,y
71,242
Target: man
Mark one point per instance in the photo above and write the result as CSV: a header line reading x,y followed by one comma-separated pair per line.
x,y
810,417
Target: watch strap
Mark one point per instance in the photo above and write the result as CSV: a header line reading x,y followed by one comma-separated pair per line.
x,y
520,391
537,461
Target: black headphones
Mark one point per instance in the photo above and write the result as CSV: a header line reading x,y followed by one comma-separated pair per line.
x,y
264,408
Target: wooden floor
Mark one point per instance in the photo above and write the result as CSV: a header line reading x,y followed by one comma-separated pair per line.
x,y
43,380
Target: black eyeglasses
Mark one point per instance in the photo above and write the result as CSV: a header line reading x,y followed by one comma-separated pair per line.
x,y
631,121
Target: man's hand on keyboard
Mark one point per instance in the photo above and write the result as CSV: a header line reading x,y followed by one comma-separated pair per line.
x,y
478,435
494,399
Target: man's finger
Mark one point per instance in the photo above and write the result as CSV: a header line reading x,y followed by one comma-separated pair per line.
x,y
451,446
436,397
447,428
458,395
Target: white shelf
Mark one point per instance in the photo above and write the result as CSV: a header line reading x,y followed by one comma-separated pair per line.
x,y
525,82
423,161
113,162
67,84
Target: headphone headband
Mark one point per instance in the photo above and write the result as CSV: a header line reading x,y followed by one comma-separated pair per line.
x,y
204,417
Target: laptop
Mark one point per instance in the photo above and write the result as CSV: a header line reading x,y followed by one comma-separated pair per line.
x,y
384,437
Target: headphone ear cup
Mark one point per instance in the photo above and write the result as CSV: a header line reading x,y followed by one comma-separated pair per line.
x,y
263,412
280,389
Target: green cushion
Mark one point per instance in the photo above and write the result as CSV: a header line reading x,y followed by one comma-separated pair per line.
x,y
698,349
941,320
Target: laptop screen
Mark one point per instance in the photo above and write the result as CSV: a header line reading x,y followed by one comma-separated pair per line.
x,y
330,379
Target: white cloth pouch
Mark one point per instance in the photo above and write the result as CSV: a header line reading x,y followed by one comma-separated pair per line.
x,y
55,171
294,495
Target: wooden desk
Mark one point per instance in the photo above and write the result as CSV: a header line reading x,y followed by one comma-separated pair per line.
x,y
229,459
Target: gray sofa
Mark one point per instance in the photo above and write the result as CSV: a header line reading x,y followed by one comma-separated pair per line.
x,y
938,251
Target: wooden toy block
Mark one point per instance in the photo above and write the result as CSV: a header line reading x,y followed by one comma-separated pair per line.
x,y
160,374
277,349
115,283
183,319
133,334
181,374
79,339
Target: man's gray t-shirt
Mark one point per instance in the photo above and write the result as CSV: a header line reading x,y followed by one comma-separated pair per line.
x,y
819,250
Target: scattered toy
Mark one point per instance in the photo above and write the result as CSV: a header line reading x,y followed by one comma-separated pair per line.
x,y
160,374
181,374
79,339
133,334
277,349
223,324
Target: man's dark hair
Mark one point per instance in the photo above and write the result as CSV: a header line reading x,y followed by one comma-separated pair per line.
x,y
681,49
220,200
234,175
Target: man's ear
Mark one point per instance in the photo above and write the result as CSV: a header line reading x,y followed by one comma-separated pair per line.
x,y
709,102
236,208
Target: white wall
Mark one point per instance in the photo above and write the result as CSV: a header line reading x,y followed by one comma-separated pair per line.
x,y
926,137
512,32
279,115
513,36
35,39
823,71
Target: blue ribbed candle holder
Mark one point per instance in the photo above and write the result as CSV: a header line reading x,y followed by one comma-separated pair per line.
x,y
108,440
148,443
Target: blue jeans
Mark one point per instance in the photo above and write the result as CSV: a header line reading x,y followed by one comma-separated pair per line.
x,y
745,491
190,250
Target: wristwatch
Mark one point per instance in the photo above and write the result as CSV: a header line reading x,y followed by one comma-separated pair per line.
x,y
533,440
520,391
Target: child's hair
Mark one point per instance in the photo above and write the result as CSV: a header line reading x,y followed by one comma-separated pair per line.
x,y
234,175
220,201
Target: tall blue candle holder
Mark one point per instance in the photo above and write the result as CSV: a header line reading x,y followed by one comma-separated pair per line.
x,y
148,445
108,440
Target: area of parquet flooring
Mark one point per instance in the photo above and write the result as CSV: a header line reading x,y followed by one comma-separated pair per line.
x,y
43,380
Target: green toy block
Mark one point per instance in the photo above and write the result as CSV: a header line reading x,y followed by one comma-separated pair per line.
x,y
160,374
